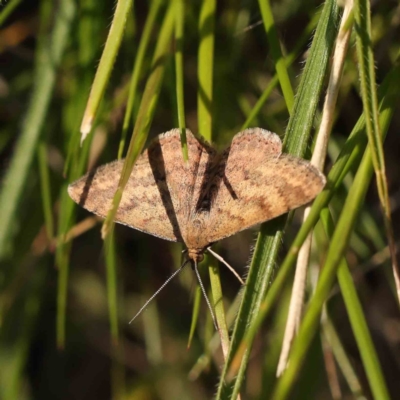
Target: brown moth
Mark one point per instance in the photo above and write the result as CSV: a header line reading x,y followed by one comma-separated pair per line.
x,y
210,197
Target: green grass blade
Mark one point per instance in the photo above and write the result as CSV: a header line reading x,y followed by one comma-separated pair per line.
x,y
280,63
45,190
65,221
357,319
370,105
146,112
218,300
47,63
195,314
204,113
361,333
111,267
336,250
117,370
179,28
312,80
342,358
368,89
271,234
105,66
205,69
7,10
274,81
62,262
16,353
138,70
89,41
349,155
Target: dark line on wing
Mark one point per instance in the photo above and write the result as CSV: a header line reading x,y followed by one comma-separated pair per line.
x,y
221,173
86,187
159,173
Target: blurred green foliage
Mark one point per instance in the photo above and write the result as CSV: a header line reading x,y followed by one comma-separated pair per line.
x,y
66,296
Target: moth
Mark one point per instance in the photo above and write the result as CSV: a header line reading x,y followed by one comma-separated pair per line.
x,y
211,196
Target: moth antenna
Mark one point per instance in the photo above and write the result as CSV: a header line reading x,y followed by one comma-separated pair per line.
x,y
158,291
218,257
205,295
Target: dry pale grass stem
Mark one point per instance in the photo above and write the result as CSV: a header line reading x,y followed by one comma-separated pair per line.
x,y
318,158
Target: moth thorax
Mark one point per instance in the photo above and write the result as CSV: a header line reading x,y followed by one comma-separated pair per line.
x,y
196,255
197,233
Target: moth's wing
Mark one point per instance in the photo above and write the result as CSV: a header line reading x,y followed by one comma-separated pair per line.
x,y
156,197
255,182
